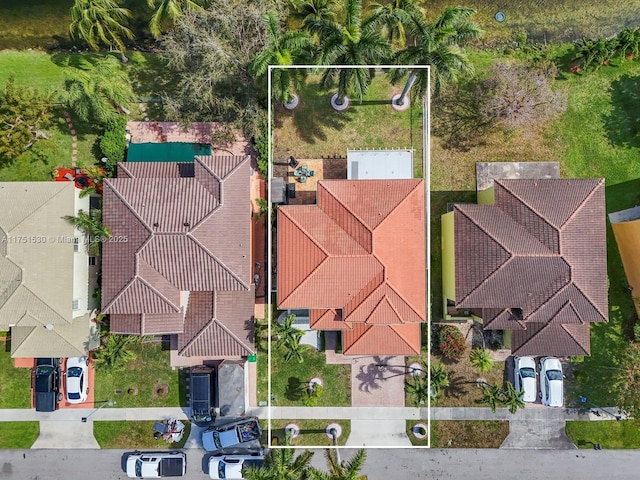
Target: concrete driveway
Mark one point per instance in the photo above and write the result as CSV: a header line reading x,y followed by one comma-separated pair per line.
x,y
56,434
378,433
538,434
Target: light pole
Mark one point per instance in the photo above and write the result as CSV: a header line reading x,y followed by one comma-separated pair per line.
x,y
111,404
584,400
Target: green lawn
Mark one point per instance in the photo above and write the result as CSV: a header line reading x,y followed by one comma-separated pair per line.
x,y
17,435
133,434
315,130
467,433
146,374
624,434
289,379
312,432
15,383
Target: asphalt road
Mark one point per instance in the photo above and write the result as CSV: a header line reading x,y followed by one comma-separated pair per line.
x,y
382,464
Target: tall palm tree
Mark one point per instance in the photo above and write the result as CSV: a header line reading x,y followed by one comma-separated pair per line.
x,y
100,21
306,10
91,225
512,398
288,338
282,464
346,470
491,396
99,93
396,17
349,42
419,387
439,378
438,44
282,49
169,10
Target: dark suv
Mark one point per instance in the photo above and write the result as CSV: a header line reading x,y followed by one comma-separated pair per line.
x,y
201,383
47,384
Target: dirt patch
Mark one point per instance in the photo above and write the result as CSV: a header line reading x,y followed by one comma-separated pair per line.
x,y
160,391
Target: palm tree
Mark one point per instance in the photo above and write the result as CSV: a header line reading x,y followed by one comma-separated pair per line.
x,y
306,10
100,21
289,338
512,398
419,387
282,464
115,353
347,470
481,359
628,42
350,42
91,225
394,17
439,378
170,10
100,93
596,52
438,44
491,396
282,49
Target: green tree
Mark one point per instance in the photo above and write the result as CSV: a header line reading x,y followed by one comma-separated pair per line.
x,y
100,21
24,112
596,52
438,44
282,49
628,42
115,353
347,470
481,359
418,387
167,11
91,225
319,10
288,337
396,17
351,41
511,398
282,464
439,378
100,93
491,396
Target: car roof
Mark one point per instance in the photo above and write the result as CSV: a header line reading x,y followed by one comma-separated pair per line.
x,y
551,363
555,393
525,362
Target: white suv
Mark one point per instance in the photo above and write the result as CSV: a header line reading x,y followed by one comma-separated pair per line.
x,y
525,378
156,464
232,467
551,382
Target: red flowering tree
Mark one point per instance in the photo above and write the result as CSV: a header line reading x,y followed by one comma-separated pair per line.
x,y
451,342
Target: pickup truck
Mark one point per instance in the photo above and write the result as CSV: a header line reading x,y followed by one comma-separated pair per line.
x,y
218,437
47,384
156,464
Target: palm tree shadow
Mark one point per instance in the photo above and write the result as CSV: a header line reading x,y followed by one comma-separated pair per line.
x,y
295,389
372,375
456,388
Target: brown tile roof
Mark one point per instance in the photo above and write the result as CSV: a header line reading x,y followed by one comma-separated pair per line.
x,y
357,258
535,262
185,230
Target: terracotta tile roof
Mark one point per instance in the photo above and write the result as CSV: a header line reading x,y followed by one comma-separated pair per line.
x,y
187,230
535,262
385,339
359,251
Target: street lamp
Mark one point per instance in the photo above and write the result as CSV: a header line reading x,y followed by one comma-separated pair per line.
x,y
584,400
111,404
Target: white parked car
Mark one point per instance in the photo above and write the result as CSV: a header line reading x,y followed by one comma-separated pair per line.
x,y
232,467
525,378
77,379
156,464
551,382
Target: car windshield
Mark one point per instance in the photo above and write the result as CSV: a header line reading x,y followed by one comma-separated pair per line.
x,y
74,372
216,439
221,469
527,373
139,468
73,396
554,374
44,369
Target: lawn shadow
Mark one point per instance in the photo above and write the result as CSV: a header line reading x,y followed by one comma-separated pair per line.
x,y
457,387
295,388
622,124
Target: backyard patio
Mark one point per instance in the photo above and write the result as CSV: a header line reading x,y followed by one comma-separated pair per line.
x,y
306,182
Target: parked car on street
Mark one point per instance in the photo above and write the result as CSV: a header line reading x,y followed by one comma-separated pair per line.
x,y
77,379
551,382
230,434
232,467
47,384
156,464
525,378
201,381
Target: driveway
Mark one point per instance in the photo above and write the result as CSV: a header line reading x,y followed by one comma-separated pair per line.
x,y
375,387
538,435
56,434
378,433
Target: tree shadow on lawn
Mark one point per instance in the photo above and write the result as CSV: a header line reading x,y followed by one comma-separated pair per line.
x,y
295,389
622,124
315,115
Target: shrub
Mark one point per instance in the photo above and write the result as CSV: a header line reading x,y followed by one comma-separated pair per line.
x,y
262,146
312,394
636,332
113,143
481,359
451,343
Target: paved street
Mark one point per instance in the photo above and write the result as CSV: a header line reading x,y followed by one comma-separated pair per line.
x,y
382,464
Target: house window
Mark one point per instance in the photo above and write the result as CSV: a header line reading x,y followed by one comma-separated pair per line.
x,y
76,244
76,304
92,261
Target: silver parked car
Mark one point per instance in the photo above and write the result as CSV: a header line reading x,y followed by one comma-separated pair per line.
x,y
551,382
525,378
77,379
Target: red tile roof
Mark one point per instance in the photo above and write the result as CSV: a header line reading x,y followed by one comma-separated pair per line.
x,y
357,260
178,229
536,262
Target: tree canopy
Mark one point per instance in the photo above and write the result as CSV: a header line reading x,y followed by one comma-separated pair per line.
x,y
100,21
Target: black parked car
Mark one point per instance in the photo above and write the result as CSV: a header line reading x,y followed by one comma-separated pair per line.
x,y
201,382
47,384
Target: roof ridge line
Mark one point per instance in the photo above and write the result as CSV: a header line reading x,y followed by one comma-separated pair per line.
x,y
215,259
45,203
157,292
605,317
48,307
129,206
405,301
529,207
580,206
564,327
401,202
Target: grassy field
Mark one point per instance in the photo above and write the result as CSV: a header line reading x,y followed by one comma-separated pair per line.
x,y
15,390
315,130
289,379
17,435
610,434
133,434
146,375
468,433
312,432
